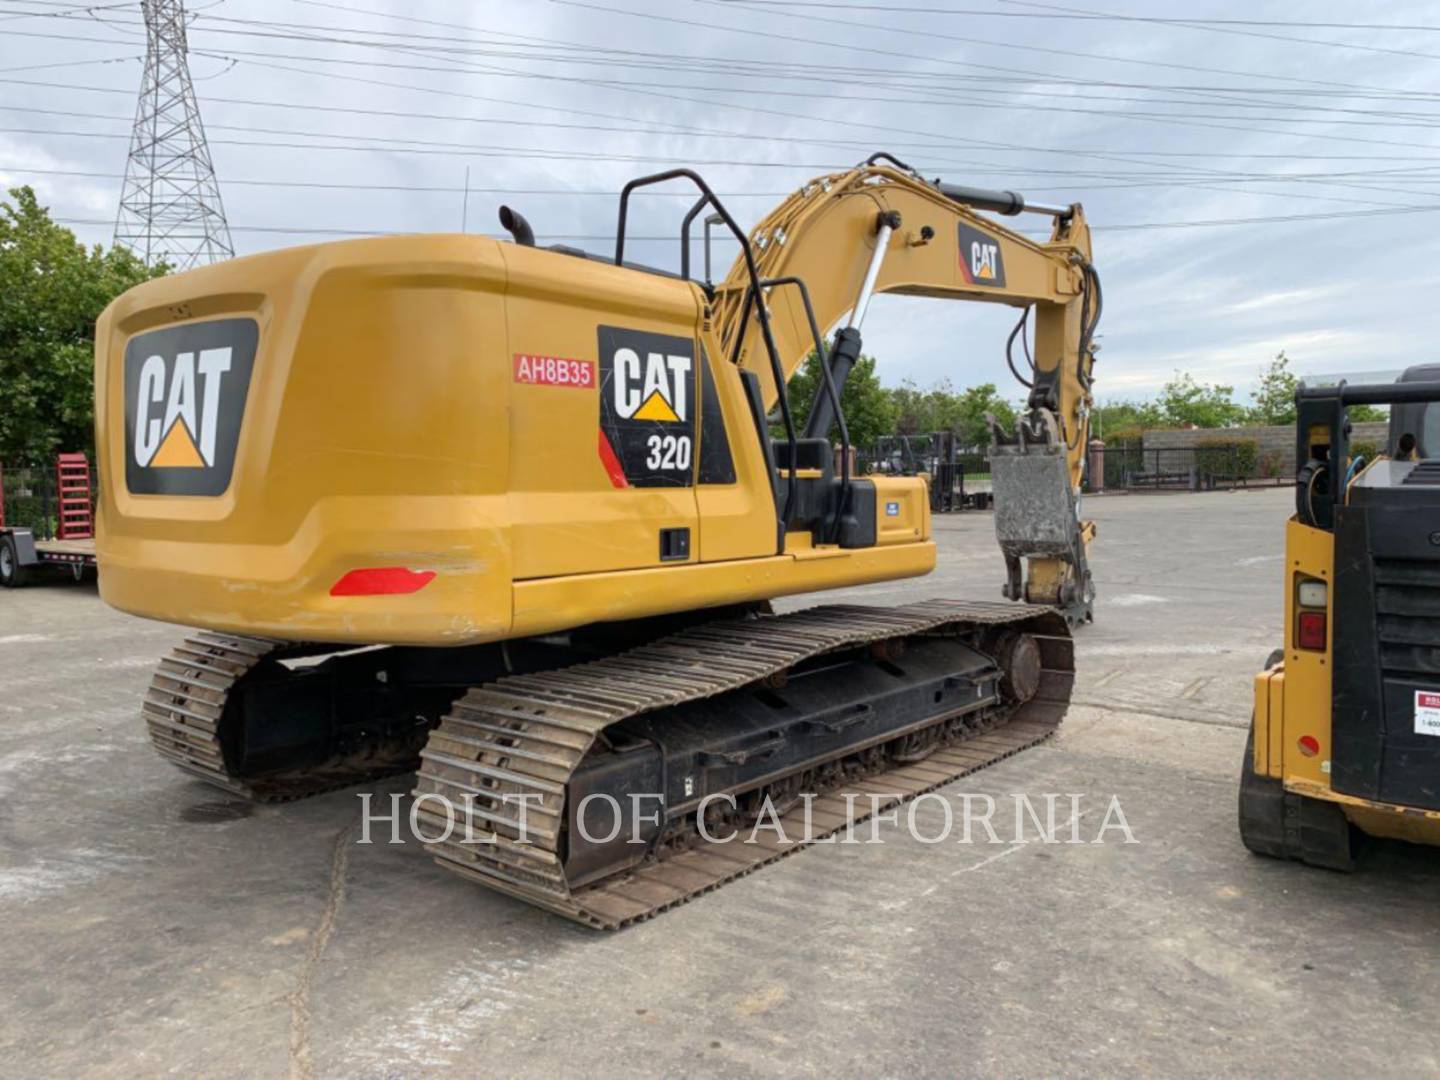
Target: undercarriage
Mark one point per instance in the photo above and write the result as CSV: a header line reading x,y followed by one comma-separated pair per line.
x,y
609,774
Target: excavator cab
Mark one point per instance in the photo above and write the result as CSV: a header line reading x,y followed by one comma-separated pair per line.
x,y
1346,735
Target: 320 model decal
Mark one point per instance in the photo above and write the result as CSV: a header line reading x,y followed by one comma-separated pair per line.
x,y
647,408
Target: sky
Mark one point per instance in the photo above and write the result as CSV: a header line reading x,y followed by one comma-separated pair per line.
x,y
1258,175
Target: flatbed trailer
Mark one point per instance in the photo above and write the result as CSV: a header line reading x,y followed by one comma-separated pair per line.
x,y
72,547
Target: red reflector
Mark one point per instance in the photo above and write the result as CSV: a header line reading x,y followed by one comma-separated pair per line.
x,y
382,581
1311,630
1309,745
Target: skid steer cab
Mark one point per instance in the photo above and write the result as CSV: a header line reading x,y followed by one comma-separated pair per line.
x,y
1346,734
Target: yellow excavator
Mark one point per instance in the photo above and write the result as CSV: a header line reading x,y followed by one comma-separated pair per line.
x,y
515,514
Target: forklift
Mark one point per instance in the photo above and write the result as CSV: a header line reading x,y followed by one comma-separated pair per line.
x,y
1345,741
936,457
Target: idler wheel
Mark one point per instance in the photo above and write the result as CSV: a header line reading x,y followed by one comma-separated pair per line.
x,y
1019,658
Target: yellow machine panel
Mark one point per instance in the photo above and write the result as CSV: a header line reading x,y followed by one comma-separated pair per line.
x,y
393,419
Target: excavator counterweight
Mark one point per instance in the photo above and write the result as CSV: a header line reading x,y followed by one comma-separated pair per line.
x,y
515,515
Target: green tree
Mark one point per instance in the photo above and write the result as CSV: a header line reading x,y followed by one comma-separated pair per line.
x,y
941,408
912,409
1275,397
968,419
1125,416
1184,403
869,411
52,289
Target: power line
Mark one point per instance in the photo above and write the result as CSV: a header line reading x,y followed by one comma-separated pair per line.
x,y
1364,117
1214,26
996,74
967,40
890,129
657,89
1192,25
406,114
1303,24
610,193
649,62
69,63
1282,219
1336,215
450,118
1218,173
429,147
442,189
654,63
585,53
729,65
73,9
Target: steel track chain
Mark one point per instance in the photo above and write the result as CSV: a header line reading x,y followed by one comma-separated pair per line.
x,y
184,711
524,735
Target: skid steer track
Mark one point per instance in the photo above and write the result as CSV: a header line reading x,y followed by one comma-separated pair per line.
x,y
525,736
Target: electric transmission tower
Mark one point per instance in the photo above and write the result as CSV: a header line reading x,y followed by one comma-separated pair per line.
x,y
170,207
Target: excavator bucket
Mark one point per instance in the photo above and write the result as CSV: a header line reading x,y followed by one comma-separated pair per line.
x,y
1037,519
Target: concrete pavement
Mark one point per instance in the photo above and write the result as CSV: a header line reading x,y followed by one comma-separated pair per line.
x,y
153,926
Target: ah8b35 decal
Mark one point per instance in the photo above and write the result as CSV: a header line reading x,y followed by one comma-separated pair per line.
x,y
647,408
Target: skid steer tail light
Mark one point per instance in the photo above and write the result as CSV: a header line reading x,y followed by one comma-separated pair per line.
x,y
1310,630
382,581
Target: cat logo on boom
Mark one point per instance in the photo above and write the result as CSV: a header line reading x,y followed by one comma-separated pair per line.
x,y
981,262
185,389
647,395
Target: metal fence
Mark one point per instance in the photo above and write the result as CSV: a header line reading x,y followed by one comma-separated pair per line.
x,y
29,494
1196,468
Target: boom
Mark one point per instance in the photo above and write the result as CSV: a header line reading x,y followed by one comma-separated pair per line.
x,y
881,228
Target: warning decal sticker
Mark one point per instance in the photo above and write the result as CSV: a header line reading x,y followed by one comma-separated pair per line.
x,y
1427,713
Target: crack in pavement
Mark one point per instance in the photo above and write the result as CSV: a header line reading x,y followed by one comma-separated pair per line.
x,y
301,1065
